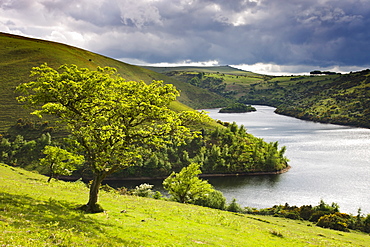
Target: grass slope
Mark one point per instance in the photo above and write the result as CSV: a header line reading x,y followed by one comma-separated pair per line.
x,y
35,213
19,54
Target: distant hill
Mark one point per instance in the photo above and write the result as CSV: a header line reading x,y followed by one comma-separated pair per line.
x,y
330,97
19,54
206,69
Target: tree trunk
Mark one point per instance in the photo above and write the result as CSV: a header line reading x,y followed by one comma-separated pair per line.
x,y
92,206
51,172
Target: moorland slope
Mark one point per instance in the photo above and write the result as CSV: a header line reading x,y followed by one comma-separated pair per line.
x,y
19,54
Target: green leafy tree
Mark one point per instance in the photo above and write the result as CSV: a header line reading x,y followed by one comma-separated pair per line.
x,y
109,118
186,186
60,161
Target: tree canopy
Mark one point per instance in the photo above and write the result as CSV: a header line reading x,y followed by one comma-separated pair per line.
x,y
109,118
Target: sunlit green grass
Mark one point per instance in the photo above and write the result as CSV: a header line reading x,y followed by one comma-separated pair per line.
x,y
35,213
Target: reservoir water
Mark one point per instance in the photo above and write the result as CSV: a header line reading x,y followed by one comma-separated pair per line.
x,y
329,162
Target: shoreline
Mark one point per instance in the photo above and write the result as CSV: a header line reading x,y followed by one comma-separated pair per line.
x,y
207,175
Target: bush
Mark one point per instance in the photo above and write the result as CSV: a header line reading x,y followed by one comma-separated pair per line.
x,y
157,195
305,212
324,215
107,188
215,199
143,190
292,215
123,191
336,221
366,227
317,215
234,207
326,207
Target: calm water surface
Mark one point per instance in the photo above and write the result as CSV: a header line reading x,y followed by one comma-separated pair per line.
x,y
329,162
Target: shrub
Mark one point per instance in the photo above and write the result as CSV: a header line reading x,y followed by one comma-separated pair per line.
x,y
234,207
292,215
324,215
326,207
157,195
107,188
123,191
214,199
367,224
143,190
317,215
305,212
336,221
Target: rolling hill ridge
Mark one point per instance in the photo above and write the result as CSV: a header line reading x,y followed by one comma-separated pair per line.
x,y
19,54
326,97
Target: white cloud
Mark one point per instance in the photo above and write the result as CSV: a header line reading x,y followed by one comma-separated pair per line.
x,y
309,32
279,70
68,37
139,13
181,63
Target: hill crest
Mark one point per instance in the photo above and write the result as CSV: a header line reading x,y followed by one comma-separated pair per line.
x,y
19,54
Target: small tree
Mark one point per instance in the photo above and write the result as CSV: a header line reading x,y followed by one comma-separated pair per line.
x,y
185,186
60,161
110,119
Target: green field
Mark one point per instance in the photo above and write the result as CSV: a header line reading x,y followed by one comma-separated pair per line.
x,y
36,213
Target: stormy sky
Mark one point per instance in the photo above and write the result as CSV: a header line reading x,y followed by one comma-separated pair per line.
x,y
272,36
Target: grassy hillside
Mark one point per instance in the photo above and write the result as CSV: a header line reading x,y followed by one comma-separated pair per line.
x,y
343,99
35,213
206,69
19,54
332,98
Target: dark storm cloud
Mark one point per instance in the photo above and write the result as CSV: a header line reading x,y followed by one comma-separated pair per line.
x,y
306,32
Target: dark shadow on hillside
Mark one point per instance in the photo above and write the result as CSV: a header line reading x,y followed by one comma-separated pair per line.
x,y
25,210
